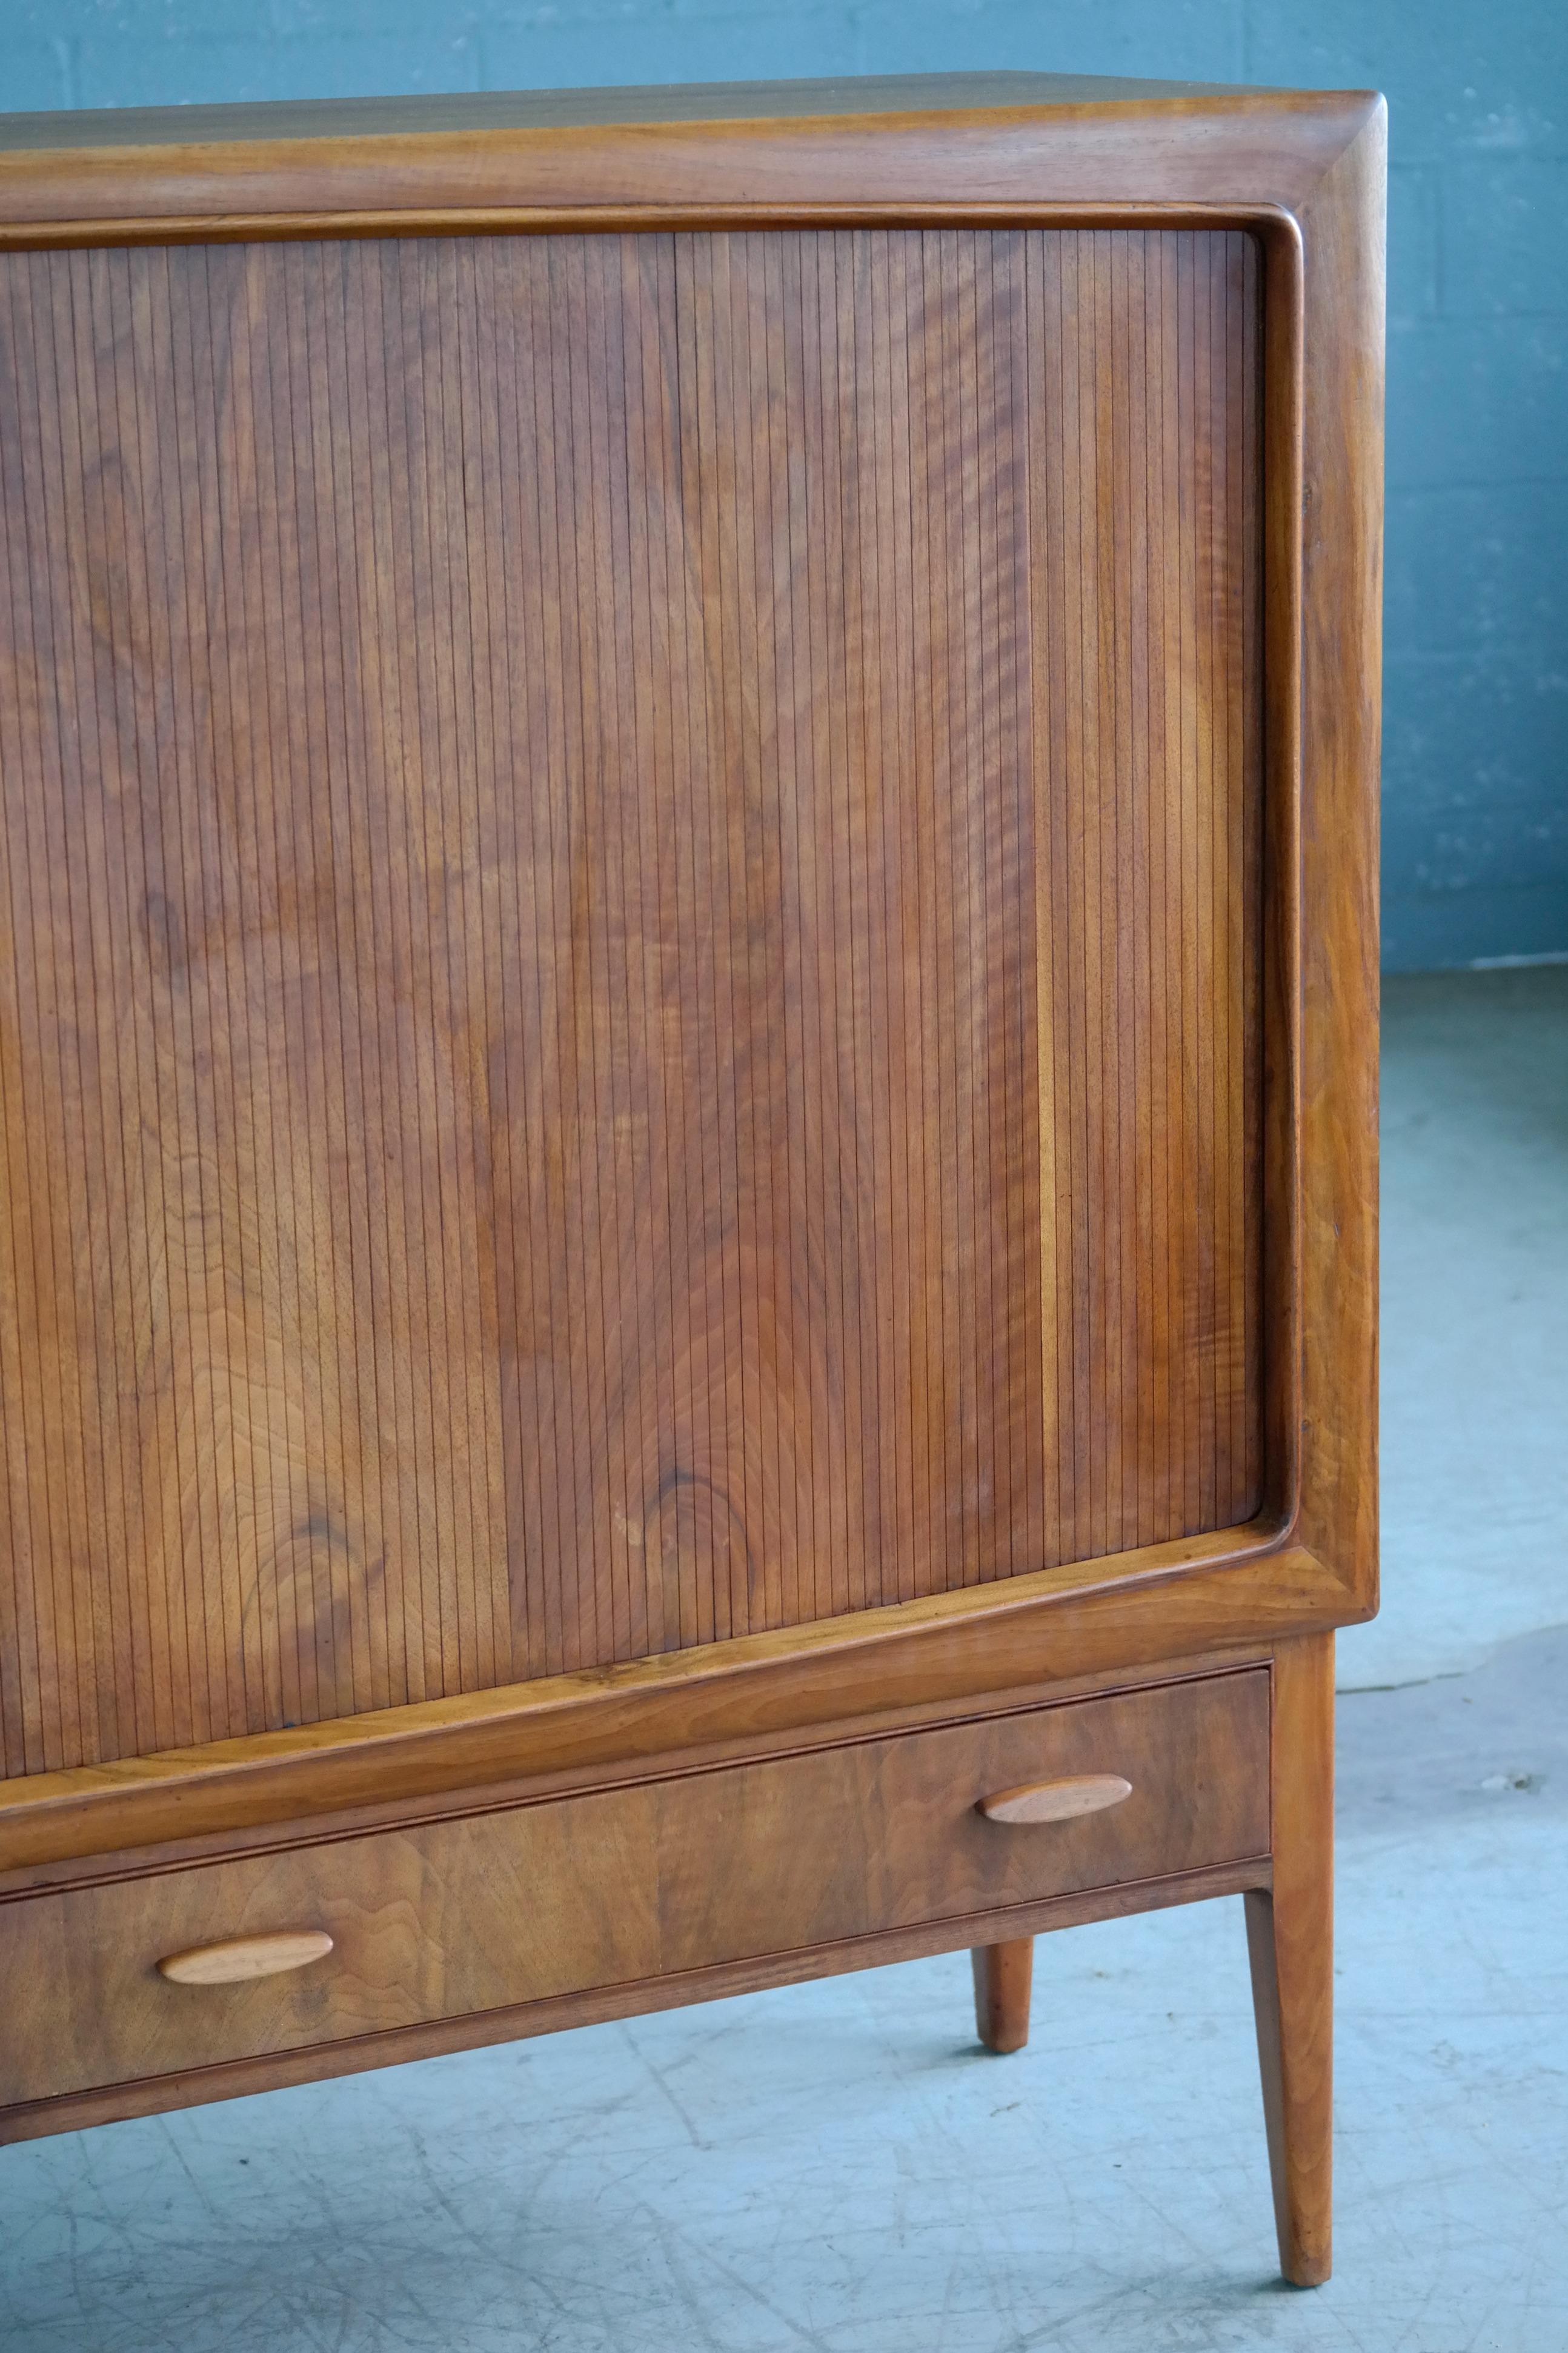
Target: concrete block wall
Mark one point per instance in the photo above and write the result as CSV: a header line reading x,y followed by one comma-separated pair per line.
x,y
1476,743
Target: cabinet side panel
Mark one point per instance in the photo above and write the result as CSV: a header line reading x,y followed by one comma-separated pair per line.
x,y
627,947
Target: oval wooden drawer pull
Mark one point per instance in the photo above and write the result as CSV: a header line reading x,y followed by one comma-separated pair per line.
x,y
1057,1801
247,1957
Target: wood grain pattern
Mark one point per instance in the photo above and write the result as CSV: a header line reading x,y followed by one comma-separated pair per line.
x,y
392,2046
964,144
628,948
1057,1801
435,117
1290,1944
263,1790
1004,1981
237,1959
1341,612
669,1876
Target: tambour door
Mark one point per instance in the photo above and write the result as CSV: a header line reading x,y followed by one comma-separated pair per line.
x,y
629,946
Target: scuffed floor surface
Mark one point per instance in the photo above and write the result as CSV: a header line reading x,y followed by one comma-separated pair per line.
x,y
838,2167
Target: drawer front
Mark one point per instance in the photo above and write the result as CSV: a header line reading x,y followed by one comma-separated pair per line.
x,y
487,1910
888,1834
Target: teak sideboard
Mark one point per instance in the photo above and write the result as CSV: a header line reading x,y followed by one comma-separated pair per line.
x,y
688,995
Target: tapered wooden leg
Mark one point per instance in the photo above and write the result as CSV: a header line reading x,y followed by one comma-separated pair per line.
x,y
1291,1939
1003,1975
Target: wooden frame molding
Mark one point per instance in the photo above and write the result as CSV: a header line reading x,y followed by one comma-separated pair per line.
x,y
725,150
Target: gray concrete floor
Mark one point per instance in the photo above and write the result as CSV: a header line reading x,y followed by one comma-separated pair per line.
x,y
837,2166
1474,1368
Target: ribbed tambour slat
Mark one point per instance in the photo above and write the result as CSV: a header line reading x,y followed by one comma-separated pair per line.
x,y
628,947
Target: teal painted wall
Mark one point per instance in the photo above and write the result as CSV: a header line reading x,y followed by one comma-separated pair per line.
x,y
1475,740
